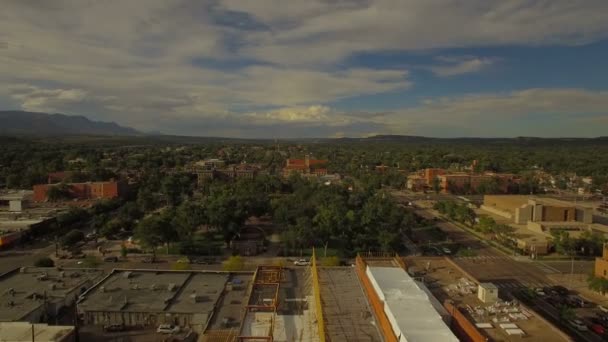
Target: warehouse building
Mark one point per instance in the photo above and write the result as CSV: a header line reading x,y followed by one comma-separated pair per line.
x,y
36,294
188,299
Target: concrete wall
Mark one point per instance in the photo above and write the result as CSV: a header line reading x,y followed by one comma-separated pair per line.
x,y
537,212
524,214
558,214
497,211
601,268
535,226
15,205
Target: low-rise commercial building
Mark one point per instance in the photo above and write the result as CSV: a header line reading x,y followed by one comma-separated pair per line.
x,y
536,218
150,297
84,191
28,332
36,294
414,314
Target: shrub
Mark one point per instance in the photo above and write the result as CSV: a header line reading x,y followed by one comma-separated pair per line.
x,y
44,262
330,261
234,263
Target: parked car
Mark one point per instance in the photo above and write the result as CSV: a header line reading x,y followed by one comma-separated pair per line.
x,y
302,262
539,291
184,260
596,320
114,327
598,329
111,259
578,324
147,260
168,329
562,291
602,308
578,302
446,251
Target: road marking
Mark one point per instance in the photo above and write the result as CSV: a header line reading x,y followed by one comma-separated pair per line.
x,y
546,268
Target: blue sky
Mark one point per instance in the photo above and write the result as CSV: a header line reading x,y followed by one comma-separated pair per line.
x,y
314,68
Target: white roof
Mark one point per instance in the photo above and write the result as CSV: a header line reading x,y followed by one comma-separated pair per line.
x,y
408,307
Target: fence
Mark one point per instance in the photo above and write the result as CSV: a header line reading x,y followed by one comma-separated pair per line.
x,y
317,294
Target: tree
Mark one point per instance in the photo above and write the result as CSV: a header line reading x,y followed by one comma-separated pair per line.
x,y
153,231
59,192
436,184
188,217
598,284
563,243
486,224
72,238
234,263
225,213
44,262
112,227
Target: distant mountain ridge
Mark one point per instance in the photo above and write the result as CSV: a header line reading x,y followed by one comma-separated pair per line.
x,y
14,122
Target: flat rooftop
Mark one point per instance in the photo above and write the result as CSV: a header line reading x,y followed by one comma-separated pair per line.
x,y
413,313
22,332
17,225
295,318
23,290
187,292
345,308
15,195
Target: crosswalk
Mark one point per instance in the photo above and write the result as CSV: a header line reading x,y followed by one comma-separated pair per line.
x,y
547,269
482,257
517,285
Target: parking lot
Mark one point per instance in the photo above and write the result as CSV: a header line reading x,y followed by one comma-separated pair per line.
x,y
447,282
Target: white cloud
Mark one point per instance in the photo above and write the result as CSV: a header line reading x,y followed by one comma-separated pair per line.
x,y
38,99
143,63
324,32
563,111
453,66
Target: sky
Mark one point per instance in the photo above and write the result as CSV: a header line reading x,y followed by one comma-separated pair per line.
x,y
313,68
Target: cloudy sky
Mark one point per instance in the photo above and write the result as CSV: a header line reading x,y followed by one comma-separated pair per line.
x,y
313,68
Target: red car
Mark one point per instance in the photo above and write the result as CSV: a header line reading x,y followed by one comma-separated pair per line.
x,y
598,329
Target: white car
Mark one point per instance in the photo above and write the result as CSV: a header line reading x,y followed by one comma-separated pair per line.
x,y
579,325
302,262
168,329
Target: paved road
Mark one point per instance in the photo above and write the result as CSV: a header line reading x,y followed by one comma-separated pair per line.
x,y
489,264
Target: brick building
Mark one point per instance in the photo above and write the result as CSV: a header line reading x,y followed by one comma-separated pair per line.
x,y
84,191
601,264
306,167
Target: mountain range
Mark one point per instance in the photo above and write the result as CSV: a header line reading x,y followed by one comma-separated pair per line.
x,y
13,122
